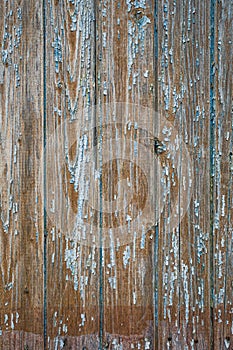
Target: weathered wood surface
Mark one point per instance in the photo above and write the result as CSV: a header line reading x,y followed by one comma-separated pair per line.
x,y
126,73
21,202
221,173
107,242
183,78
72,268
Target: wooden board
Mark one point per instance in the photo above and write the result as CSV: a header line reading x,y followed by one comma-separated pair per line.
x,y
72,266
185,249
21,198
126,96
116,175
222,55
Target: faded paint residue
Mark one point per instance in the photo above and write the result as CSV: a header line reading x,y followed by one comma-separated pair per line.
x,y
168,285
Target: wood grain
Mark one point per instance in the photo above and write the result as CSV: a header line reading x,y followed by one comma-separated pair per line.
x,y
183,94
21,200
126,74
116,175
221,118
72,266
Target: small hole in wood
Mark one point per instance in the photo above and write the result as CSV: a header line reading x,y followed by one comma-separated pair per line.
x,y
137,13
169,338
228,338
195,341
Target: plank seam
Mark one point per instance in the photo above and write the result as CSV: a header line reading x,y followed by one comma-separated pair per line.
x,y
44,178
101,302
156,241
212,157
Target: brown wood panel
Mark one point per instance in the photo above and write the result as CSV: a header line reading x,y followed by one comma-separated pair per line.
x,y
184,229
116,175
72,263
21,209
222,176
126,117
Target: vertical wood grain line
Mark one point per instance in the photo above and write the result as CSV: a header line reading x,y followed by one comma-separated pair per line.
x,y
44,177
212,161
156,241
96,136
101,301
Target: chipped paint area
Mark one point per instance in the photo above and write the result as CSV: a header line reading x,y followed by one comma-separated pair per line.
x,y
174,283
136,46
12,34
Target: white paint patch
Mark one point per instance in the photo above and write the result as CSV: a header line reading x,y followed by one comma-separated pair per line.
x,y
227,343
83,318
223,205
6,319
112,282
134,298
12,321
126,256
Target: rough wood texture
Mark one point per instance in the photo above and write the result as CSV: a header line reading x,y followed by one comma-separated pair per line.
x,y
110,238
72,266
125,73
221,172
21,200
183,75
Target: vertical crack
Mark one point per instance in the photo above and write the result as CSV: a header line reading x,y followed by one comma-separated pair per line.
x,y
212,160
156,228
44,180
